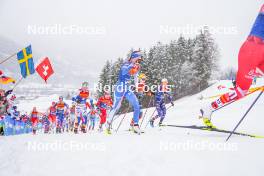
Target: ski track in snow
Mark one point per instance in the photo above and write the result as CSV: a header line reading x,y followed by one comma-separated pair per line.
x,y
124,153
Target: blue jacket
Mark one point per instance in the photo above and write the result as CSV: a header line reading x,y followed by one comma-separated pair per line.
x,y
161,95
124,75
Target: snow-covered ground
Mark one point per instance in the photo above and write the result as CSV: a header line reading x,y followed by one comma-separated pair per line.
x,y
165,151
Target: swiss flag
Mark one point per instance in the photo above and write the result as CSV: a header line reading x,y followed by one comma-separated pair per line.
x,y
45,69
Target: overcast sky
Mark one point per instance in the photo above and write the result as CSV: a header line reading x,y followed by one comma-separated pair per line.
x,y
122,24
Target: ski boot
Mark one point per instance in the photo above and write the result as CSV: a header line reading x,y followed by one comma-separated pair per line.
x,y
131,128
83,129
108,131
75,130
207,122
206,113
46,130
100,129
60,130
136,129
151,122
108,128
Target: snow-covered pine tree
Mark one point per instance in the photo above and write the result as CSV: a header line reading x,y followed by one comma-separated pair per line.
x,y
178,54
105,77
115,70
158,63
205,57
188,64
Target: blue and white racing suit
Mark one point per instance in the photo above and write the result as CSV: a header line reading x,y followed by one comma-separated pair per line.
x,y
122,90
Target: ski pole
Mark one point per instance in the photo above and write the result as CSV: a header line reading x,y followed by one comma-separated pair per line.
x,y
112,118
245,115
124,111
150,118
145,112
122,120
169,107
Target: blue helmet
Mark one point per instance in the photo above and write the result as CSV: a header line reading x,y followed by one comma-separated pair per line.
x,y
136,55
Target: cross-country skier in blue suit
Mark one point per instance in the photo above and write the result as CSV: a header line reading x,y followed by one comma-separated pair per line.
x,y
160,103
122,89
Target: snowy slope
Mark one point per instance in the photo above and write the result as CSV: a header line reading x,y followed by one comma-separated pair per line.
x,y
165,151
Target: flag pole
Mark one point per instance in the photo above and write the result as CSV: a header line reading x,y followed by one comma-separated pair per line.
x,y
18,82
6,59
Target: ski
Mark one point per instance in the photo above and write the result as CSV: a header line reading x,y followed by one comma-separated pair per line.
x,y
129,130
205,128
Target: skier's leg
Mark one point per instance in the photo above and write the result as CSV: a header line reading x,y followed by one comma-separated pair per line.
x,y
118,96
102,119
61,117
50,121
57,122
103,116
93,123
140,116
76,123
159,111
53,123
163,112
84,123
131,97
77,119
250,65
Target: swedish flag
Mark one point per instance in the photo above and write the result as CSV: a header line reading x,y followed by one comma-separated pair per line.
x,y
26,62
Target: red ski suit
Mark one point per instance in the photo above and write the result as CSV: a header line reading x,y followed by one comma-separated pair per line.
x,y
103,103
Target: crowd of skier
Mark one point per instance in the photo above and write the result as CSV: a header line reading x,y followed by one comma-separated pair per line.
x,y
81,115
85,112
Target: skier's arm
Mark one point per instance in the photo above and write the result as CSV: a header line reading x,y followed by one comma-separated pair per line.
x,y
88,105
126,68
136,79
98,104
169,97
74,99
110,102
67,108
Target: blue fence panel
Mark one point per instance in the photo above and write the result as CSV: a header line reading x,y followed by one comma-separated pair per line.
x,y
15,127
8,126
